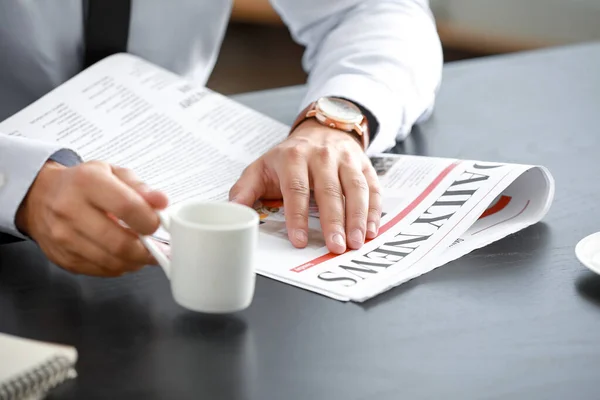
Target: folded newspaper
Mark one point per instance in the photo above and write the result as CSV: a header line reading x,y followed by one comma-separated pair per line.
x,y
193,143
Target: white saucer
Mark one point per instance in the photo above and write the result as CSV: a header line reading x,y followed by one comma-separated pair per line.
x,y
588,251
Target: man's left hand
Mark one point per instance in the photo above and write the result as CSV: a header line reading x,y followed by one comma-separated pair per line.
x,y
334,166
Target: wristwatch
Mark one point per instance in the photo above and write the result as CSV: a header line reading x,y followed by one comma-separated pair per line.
x,y
338,114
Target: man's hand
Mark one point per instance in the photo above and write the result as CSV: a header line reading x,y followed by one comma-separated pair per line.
x,y
73,214
334,166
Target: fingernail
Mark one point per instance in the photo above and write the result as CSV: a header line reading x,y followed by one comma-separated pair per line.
x,y
356,238
372,229
338,239
300,236
145,188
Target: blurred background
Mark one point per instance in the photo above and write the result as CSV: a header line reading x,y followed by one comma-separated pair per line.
x,y
258,52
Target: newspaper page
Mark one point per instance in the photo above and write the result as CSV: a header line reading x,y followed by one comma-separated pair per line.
x,y
178,137
193,143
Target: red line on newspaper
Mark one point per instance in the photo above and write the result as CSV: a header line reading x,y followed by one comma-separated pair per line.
x,y
506,220
391,222
496,208
465,216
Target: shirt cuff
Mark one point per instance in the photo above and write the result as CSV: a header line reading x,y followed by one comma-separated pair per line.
x,y
66,157
20,162
379,99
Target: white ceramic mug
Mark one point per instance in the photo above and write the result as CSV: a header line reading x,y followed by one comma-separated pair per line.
x,y
213,246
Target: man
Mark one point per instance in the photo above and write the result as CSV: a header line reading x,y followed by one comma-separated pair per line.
x,y
376,60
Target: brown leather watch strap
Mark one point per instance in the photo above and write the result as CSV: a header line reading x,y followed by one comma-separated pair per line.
x,y
363,139
302,116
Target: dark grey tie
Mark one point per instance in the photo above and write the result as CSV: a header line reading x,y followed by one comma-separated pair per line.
x,y
106,28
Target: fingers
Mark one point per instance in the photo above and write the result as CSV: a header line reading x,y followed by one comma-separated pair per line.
x,y
78,215
155,199
294,184
329,196
250,187
72,262
72,250
345,185
110,194
375,201
356,193
113,238
88,256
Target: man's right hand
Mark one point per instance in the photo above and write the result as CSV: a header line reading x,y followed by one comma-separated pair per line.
x,y
73,214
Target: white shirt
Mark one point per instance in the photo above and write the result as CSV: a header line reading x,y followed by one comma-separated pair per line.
x,y
383,54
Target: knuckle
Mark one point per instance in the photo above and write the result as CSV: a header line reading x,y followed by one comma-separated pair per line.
x,y
358,213
332,189
369,170
375,204
295,152
122,171
376,193
359,182
324,153
298,186
60,234
83,173
374,212
374,187
95,164
299,215
374,209
335,220
62,205
347,157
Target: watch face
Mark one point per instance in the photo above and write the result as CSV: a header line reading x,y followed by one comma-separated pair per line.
x,y
339,109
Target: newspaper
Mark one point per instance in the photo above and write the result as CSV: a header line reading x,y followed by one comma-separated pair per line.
x,y
435,211
191,142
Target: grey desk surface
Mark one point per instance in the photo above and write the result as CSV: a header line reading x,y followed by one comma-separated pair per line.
x,y
517,319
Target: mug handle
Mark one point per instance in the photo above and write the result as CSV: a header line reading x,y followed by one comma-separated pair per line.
x,y
153,248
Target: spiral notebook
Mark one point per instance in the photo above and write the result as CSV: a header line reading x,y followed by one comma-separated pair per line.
x,y
30,368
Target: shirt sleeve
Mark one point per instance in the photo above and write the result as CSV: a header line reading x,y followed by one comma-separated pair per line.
x,y
382,54
20,161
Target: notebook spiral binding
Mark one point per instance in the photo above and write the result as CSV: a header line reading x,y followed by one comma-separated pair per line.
x,y
39,380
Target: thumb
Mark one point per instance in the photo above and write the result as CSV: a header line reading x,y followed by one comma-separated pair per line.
x,y
154,198
250,187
